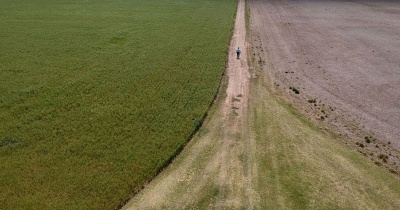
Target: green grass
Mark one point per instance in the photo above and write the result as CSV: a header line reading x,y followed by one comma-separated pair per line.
x,y
96,96
305,167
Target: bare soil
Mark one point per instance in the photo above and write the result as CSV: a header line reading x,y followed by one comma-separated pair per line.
x,y
343,58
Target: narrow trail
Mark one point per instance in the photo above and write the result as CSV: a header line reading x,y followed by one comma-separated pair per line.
x,y
218,159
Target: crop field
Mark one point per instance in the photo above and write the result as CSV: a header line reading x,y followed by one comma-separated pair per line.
x,y
97,96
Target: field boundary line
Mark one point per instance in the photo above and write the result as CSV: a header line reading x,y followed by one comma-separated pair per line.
x,y
219,94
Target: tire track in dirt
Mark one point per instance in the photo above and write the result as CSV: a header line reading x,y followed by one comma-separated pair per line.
x,y
217,166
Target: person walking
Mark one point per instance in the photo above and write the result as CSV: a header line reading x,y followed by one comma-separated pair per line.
x,y
238,53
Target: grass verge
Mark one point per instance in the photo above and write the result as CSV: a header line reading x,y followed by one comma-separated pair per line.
x,y
304,167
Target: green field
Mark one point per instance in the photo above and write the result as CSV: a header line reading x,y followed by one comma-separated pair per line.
x,y
96,96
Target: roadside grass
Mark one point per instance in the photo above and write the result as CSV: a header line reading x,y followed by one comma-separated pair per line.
x,y
97,96
304,167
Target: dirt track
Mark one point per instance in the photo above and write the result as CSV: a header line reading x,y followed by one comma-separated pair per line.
x,y
215,156
344,54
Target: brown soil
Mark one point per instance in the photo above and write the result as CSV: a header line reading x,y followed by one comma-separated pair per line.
x,y
343,58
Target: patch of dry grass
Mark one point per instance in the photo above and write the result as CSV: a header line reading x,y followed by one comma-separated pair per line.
x,y
305,167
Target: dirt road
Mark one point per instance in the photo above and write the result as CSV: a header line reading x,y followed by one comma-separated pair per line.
x,y
211,168
343,57
255,151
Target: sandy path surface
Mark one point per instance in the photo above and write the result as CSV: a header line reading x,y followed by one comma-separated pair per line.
x,y
343,54
212,167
